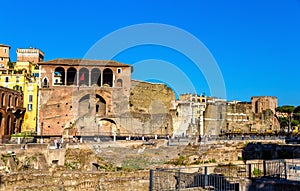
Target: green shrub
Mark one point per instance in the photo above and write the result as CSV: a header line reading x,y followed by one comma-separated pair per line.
x,y
257,172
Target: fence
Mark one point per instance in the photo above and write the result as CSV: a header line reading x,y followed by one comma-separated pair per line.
x,y
221,177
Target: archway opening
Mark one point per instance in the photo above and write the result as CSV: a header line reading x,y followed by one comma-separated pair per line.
x,y
71,76
96,77
59,76
108,77
83,77
108,126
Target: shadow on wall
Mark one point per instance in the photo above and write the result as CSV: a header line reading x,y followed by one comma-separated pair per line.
x,y
259,151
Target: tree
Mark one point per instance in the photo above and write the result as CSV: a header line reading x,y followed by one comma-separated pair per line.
x,y
286,109
295,123
297,109
284,122
289,110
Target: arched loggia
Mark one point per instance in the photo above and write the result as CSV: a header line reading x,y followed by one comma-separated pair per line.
x,y
108,77
96,77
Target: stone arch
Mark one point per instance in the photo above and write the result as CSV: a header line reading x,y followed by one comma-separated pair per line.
x,y
45,83
84,105
59,75
119,83
108,77
108,126
83,77
96,76
100,105
71,76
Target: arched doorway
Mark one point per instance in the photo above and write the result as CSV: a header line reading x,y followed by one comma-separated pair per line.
x,y
108,77
100,106
71,76
96,77
59,76
83,77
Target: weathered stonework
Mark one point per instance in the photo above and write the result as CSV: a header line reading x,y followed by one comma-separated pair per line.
x,y
82,94
187,114
98,97
150,108
257,116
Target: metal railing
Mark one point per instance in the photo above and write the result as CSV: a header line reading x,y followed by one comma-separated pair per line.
x,y
226,177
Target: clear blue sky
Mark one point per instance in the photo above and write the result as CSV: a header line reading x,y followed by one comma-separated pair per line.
x,y
255,43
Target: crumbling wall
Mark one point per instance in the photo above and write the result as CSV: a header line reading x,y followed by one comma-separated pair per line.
x,y
150,97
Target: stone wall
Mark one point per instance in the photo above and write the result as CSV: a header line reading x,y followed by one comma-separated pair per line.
x,y
214,117
75,181
149,108
150,97
257,116
240,118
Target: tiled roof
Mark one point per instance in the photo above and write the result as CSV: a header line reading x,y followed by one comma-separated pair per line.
x,y
74,62
4,45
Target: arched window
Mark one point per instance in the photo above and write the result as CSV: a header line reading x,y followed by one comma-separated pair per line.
x,y
71,76
96,77
83,77
3,99
59,74
45,83
108,77
119,83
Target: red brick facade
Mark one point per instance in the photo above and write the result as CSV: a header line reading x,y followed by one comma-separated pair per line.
x,y
81,93
11,112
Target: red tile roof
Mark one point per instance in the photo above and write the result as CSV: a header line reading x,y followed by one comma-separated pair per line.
x,y
78,62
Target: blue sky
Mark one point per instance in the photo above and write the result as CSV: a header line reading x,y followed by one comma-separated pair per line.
x,y
256,44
